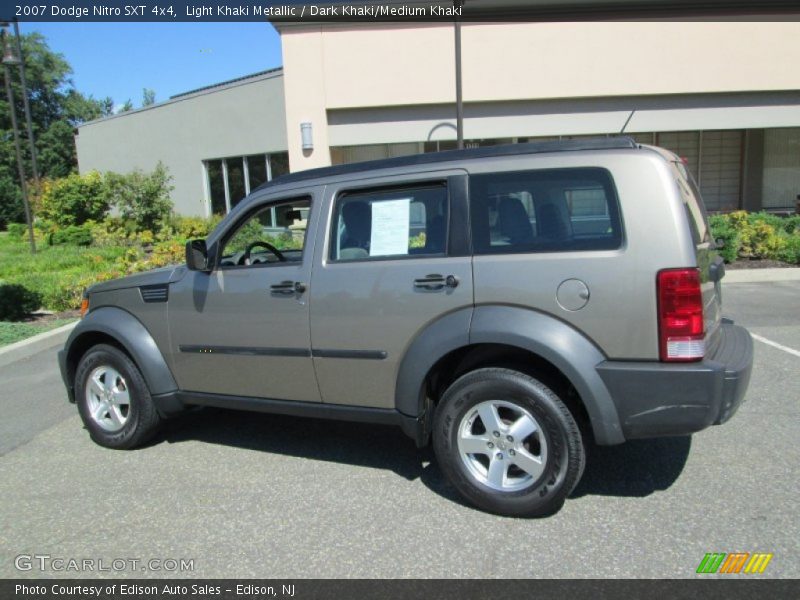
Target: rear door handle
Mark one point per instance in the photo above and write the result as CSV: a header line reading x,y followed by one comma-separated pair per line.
x,y
435,282
288,288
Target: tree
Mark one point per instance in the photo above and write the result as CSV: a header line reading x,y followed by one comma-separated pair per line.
x,y
141,198
56,109
74,199
126,107
107,106
148,97
57,157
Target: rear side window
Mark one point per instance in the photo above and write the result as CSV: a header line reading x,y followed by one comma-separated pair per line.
x,y
554,210
397,223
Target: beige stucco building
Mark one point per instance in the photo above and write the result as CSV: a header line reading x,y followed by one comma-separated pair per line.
x,y
724,95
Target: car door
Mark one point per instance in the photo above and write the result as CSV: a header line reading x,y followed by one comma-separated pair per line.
x,y
393,262
243,328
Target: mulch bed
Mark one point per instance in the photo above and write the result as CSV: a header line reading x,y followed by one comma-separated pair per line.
x,y
758,264
42,318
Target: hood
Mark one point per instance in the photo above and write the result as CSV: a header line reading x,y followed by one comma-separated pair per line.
x,y
154,277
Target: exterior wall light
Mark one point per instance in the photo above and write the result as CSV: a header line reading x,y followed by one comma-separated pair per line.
x,y
307,136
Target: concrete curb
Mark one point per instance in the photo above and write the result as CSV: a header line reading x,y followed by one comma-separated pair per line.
x,y
761,275
33,345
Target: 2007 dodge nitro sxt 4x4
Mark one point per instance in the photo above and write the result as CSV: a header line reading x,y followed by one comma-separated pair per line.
x,y
511,304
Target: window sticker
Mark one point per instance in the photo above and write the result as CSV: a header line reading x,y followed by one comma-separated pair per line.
x,y
390,227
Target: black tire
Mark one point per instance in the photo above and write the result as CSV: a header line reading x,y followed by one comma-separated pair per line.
x,y
141,417
560,448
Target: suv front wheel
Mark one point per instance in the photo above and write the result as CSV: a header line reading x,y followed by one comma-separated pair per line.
x,y
113,399
508,443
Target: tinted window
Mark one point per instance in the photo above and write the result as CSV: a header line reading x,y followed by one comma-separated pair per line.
x,y
390,224
544,211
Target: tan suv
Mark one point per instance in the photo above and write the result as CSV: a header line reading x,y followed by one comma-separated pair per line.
x,y
511,303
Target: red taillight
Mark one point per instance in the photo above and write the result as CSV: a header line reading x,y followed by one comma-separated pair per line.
x,y
681,329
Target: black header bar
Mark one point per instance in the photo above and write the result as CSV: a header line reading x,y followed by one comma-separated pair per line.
x,y
292,12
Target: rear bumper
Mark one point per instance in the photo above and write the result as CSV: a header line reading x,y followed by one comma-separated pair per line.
x,y
658,399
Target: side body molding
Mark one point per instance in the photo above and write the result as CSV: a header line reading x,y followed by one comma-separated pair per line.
x,y
568,350
129,332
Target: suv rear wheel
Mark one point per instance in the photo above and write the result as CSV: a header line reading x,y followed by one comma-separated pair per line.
x,y
113,399
508,443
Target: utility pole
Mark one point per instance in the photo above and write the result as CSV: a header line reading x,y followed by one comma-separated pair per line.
x,y
28,120
8,58
459,99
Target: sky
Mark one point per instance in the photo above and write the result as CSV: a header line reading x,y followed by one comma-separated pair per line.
x,y
120,59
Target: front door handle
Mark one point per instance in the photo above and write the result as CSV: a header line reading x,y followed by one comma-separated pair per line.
x,y
435,282
288,288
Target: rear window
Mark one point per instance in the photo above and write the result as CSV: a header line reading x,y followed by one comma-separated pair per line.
x,y
692,203
553,210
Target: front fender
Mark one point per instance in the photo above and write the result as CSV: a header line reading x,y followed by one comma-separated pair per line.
x,y
127,331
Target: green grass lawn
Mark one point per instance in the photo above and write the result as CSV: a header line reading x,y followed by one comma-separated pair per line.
x,y
11,332
58,273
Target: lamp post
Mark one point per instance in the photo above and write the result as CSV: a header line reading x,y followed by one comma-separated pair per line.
x,y
28,121
459,99
10,59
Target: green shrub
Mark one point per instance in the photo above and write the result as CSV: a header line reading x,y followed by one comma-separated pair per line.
x,y
773,221
74,199
188,228
16,230
167,253
792,224
141,198
113,232
722,230
791,250
17,301
766,242
757,235
76,235
11,207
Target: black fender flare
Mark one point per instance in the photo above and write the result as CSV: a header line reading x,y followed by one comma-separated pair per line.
x,y
439,338
129,333
572,353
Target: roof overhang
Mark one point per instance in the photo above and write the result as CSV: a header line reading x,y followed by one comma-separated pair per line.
x,y
569,10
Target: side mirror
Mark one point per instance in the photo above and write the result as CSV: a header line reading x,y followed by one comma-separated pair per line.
x,y
197,256
719,243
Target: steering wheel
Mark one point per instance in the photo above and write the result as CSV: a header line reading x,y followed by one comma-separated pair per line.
x,y
245,260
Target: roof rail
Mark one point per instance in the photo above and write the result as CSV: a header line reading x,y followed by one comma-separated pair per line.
x,y
600,143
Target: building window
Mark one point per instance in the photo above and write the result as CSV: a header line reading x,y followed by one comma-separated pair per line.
x,y
216,187
230,179
781,187
350,154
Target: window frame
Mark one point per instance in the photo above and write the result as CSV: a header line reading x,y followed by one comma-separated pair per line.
x,y
228,201
237,224
613,206
443,182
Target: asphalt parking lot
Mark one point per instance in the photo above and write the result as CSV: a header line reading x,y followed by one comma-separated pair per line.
x,y
248,495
